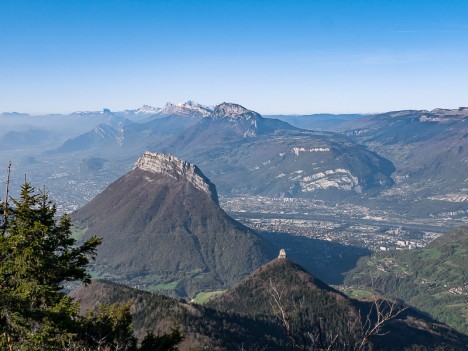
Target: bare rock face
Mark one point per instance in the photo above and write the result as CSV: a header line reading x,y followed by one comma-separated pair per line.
x,y
233,111
177,169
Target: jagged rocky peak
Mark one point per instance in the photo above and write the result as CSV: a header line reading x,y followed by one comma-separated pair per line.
x,y
190,103
233,111
147,109
180,170
186,108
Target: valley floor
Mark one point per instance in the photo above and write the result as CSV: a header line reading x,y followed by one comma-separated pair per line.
x,y
343,223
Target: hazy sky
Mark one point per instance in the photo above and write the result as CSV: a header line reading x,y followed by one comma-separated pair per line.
x,y
270,56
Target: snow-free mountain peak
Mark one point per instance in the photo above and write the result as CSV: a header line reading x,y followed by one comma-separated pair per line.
x,y
160,223
233,111
173,167
104,131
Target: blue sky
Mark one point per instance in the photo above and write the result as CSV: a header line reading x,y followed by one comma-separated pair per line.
x,y
271,56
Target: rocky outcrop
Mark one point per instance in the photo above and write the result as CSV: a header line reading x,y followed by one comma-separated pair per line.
x,y
233,111
177,169
188,108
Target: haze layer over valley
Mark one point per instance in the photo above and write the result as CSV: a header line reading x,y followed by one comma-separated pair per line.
x,y
374,181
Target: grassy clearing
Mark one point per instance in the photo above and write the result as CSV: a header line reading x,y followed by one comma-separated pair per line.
x,y
461,306
442,295
360,293
154,277
205,296
167,286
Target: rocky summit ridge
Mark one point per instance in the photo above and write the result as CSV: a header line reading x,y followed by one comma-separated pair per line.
x,y
175,168
187,108
233,111
148,110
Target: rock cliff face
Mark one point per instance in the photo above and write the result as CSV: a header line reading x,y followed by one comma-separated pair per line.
x,y
188,108
232,111
179,170
245,153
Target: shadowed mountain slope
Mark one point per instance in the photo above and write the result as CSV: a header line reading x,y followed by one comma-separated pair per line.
x,y
246,316
313,308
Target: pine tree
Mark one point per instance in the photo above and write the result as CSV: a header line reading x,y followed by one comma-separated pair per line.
x,y
37,256
165,342
109,327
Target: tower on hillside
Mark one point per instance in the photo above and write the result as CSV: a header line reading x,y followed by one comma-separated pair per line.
x,y
282,254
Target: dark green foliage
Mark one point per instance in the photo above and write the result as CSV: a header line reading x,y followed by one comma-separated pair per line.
x,y
310,306
166,342
37,255
244,318
202,327
432,279
109,327
147,308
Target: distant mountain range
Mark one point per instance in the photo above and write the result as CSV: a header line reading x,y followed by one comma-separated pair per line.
x,y
246,153
428,149
239,150
31,137
102,136
189,109
163,230
413,161
121,136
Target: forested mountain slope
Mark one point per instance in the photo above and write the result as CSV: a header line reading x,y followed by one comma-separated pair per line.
x,y
433,279
248,316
